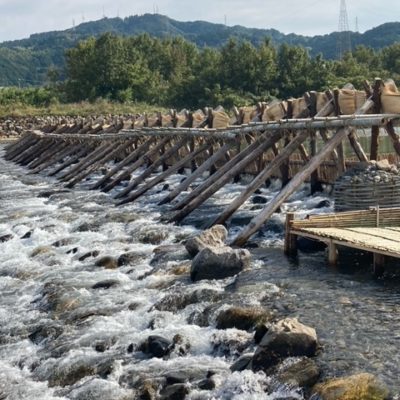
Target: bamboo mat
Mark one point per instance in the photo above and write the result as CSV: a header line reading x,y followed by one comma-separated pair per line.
x,y
380,239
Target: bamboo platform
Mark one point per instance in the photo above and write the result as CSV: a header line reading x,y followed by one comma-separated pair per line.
x,y
212,151
376,231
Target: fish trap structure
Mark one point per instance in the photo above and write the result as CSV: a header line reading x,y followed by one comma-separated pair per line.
x,y
211,147
370,185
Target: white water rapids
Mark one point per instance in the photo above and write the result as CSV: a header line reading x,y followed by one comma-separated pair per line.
x,y
61,337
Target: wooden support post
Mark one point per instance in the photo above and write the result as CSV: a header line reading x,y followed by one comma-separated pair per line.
x,y
355,144
138,163
228,174
393,136
290,239
68,149
152,168
294,184
22,145
379,264
376,97
315,183
96,164
128,159
222,171
81,151
165,174
53,148
259,180
332,254
99,149
196,174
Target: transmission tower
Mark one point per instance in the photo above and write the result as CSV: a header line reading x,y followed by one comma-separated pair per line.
x,y
343,42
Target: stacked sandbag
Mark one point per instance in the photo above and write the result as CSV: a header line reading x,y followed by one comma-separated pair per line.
x,y
181,118
248,114
275,111
198,118
351,100
299,108
220,119
390,98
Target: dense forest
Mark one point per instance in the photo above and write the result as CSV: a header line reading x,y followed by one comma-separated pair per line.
x,y
173,72
26,62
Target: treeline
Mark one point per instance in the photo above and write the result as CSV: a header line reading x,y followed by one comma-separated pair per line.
x,y
173,72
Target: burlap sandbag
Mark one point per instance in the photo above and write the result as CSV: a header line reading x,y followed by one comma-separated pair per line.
x,y
322,99
248,114
152,120
390,99
220,120
181,118
139,122
274,111
347,101
361,98
299,108
166,121
198,118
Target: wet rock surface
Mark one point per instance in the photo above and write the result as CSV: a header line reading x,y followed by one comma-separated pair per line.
x,y
213,237
219,263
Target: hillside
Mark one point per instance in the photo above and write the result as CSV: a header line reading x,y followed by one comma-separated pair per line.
x,y
25,62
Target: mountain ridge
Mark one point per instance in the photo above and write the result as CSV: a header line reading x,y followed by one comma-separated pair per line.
x,y
26,61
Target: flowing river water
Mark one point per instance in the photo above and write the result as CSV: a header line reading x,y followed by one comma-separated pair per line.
x,y
69,329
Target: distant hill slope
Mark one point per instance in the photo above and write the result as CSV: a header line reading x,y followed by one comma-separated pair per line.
x,y
26,61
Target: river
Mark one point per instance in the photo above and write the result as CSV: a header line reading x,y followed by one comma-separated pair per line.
x,y
69,329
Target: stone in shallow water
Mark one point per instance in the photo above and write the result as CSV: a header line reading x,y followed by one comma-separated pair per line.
x,y
131,258
6,238
244,318
242,363
107,262
89,254
286,338
213,237
107,284
356,387
156,346
303,373
178,391
219,263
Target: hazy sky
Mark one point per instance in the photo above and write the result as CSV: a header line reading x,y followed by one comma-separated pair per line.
x,y
20,18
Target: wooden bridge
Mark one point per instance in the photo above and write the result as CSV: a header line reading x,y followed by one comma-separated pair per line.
x,y
264,138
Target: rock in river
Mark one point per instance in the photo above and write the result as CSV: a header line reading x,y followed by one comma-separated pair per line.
x,y
219,263
213,237
356,387
244,318
286,338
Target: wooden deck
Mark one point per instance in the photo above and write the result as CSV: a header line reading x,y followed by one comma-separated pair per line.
x,y
376,231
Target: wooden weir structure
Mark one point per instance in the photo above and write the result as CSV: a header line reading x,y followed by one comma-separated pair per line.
x,y
262,142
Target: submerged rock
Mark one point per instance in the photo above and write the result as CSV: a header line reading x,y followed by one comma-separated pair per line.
x,y
46,331
156,346
107,262
89,254
178,391
303,373
152,235
242,363
286,338
259,199
131,258
244,318
219,263
356,387
166,253
213,237
6,238
107,284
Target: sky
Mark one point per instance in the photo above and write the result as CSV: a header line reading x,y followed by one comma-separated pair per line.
x,y
20,18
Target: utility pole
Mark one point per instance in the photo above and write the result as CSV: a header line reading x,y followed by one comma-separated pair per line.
x,y
343,44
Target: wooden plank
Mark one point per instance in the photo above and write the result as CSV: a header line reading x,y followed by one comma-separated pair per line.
x,y
378,232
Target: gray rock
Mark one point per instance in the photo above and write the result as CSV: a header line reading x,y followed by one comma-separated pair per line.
x,y
303,373
219,263
107,262
131,258
178,391
242,363
156,346
166,253
213,237
286,338
244,318
107,284
89,254
5,238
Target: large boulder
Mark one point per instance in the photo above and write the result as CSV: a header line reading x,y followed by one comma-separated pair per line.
x,y
286,338
219,263
213,237
356,387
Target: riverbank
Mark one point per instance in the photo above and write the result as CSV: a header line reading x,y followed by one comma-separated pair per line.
x,y
78,322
